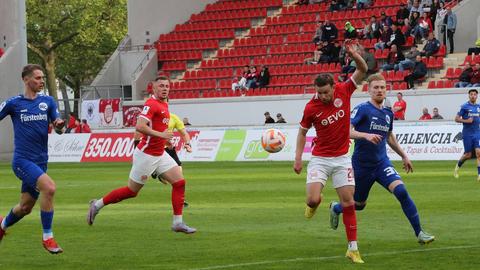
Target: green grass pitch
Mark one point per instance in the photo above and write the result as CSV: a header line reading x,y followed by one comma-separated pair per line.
x,y
248,216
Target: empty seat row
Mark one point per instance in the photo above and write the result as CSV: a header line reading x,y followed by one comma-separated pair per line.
x,y
229,15
242,51
197,35
290,19
246,4
305,69
179,55
257,41
188,45
208,74
171,66
294,48
472,59
194,85
209,25
441,84
275,30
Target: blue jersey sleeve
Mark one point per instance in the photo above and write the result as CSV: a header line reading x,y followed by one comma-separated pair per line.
x,y
5,109
53,113
462,111
390,115
356,115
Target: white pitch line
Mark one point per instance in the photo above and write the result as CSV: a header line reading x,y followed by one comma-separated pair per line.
x,y
333,257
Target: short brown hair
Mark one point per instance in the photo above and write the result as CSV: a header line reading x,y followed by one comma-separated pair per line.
x,y
29,69
324,79
162,78
375,77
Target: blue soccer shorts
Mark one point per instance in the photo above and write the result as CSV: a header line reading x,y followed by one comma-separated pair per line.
x,y
384,173
29,172
470,143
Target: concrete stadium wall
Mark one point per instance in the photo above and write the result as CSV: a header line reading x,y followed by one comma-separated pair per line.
x,y
250,110
467,32
13,40
158,17
121,68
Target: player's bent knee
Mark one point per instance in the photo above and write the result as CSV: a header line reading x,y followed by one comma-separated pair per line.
x,y
26,209
311,202
400,192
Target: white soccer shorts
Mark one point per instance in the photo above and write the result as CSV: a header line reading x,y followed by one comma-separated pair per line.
x,y
339,168
144,165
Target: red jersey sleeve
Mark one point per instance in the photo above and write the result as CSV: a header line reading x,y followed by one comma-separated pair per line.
x,y
307,119
148,111
350,86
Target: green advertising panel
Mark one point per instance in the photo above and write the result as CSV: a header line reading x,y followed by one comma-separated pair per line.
x,y
231,145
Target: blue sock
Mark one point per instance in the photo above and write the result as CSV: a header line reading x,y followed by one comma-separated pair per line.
x,y
47,219
460,163
338,208
11,219
408,207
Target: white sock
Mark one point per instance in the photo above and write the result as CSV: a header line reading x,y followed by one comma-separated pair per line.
x,y
99,204
352,245
177,219
47,236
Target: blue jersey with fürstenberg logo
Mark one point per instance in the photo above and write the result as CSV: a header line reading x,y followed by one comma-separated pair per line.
x,y
30,118
469,110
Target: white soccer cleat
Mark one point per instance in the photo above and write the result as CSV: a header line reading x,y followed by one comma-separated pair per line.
x,y
184,228
425,238
92,212
455,172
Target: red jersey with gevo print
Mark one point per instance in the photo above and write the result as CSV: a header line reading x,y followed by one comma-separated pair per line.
x,y
331,121
156,112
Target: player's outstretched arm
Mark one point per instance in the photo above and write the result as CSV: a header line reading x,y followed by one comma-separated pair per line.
x,y
357,135
143,127
393,143
58,125
362,68
301,140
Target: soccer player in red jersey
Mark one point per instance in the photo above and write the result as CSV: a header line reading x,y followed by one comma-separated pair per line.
x,y
149,156
329,113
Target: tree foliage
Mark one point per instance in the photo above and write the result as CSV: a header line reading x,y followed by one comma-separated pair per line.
x,y
72,39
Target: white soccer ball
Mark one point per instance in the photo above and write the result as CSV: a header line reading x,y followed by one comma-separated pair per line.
x,y
273,140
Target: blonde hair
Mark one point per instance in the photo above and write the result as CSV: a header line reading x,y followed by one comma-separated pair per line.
x,y
375,77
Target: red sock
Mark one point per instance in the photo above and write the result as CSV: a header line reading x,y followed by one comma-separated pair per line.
x,y
178,197
118,195
350,222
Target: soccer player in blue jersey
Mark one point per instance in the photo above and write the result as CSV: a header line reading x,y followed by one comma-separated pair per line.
x,y
371,127
31,113
469,116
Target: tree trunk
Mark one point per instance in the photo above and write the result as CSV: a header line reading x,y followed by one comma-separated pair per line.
x,y
76,96
51,77
66,101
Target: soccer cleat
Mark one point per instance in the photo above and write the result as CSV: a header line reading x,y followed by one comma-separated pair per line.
x,y
51,246
333,216
182,227
425,238
92,212
2,231
354,255
455,172
309,212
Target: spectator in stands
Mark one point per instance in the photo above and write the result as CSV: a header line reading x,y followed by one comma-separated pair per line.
x,y
385,35
302,2
363,4
432,46
318,33
475,80
426,4
186,122
385,20
350,31
433,12
71,123
410,58
475,50
85,127
370,60
435,115
280,118
241,83
376,27
416,7
425,115
335,6
329,31
78,125
406,28
366,30
399,107
423,28
451,19
397,37
268,118
252,78
465,76
394,58
414,20
264,78
419,71
402,14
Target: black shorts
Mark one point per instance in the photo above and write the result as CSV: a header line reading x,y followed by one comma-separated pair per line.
x,y
173,154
